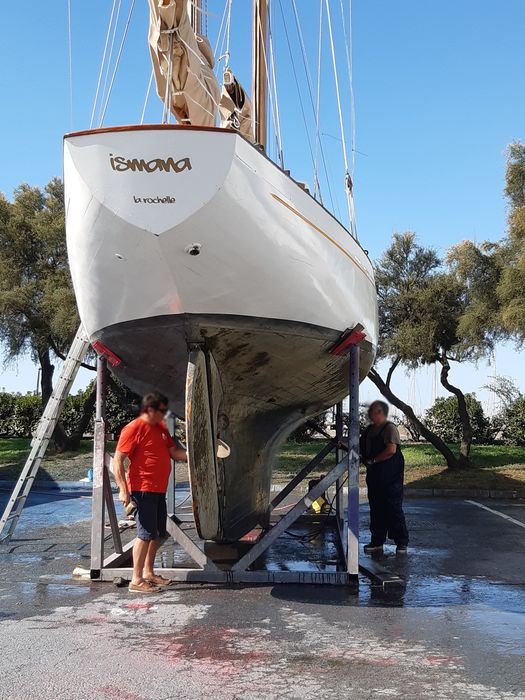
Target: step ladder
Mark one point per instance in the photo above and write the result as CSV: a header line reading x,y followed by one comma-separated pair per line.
x,y
44,431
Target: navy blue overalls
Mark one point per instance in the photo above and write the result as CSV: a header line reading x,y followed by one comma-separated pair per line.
x,y
385,491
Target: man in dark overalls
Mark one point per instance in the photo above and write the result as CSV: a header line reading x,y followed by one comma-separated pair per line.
x,y
381,453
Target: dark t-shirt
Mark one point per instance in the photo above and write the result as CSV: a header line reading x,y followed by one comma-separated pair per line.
x,y
389,434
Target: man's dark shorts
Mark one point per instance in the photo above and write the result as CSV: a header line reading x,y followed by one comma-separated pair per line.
x,y
151,515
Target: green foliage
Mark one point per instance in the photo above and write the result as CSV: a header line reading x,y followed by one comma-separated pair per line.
x,y
444,420
510,423
511,289
38,313
421,306
25,416
505,388
477,267
122,406
301,434
37,306
494,273
19,414
403,273
412,428
74,409
7,406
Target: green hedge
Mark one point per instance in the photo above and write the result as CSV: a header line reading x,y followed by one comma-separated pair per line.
x,y
19,415
443,419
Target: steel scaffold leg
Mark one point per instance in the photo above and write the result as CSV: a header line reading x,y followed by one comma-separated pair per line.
x,y
352,546
339,498
102,499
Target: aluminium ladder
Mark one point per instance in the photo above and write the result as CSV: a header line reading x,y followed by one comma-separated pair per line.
x,y
44,431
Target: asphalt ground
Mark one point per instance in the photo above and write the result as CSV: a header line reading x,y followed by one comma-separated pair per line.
x,y
454,629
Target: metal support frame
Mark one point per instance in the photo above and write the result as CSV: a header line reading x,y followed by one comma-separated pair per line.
x,y
106,568
102,494
352,543
102,566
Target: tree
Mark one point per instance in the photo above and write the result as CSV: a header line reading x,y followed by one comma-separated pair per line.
x,y
38,312
420,307
411,428
511,251
506,390
443,419
478,269
510,423
494,273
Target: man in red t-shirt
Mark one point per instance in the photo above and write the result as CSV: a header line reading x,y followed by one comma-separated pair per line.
x,y
149,447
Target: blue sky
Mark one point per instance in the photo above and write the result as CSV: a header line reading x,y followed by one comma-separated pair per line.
x,y
438,90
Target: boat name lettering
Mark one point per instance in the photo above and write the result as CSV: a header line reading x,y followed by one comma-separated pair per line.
x,y
121,164
154,200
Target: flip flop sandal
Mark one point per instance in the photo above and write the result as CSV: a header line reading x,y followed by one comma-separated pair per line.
x,y
144,587
163,581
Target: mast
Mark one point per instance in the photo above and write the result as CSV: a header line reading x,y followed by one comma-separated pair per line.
x,y
194,14
260,9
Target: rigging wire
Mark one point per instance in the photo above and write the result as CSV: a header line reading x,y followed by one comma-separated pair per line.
x,y
124,35
146,99
348,51
310,93
70,60
348,180
297,84
272,75
308,79
272,106
318,102
110,56
228,31
220,34
103,61
336,208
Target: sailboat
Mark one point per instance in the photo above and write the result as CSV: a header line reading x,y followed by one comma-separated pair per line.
x,y
202,269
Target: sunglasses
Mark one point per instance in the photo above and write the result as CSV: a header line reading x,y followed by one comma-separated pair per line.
x,y
161,410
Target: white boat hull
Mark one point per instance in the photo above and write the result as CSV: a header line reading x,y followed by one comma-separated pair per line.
x,y
274,284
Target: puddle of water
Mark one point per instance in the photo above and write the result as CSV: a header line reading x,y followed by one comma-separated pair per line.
x,y
504,629
443,591
44,592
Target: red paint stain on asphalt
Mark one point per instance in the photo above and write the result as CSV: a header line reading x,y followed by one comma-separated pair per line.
x,y
444,661
139,606
214,644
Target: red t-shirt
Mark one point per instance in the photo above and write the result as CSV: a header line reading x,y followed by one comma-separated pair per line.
x,y
147,447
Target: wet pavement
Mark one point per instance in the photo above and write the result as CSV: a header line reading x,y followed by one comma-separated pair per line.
x,y
454,629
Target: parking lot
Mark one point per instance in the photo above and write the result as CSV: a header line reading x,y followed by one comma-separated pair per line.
x,y
454,629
